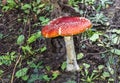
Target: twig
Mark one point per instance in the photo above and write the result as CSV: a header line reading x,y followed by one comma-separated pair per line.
x,y
15,69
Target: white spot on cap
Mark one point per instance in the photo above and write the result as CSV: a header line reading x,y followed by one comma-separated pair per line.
x,y
59,31
46,35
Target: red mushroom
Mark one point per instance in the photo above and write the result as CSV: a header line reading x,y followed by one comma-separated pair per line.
x,y
67,27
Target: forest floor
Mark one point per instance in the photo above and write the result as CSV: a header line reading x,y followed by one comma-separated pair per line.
x,y
50,62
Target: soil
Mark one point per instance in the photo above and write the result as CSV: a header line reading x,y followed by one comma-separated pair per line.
x,y
56,53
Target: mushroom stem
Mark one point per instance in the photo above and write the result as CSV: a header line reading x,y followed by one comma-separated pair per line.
x,y
71,55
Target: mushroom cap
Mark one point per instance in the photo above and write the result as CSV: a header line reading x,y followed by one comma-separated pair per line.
x,y
66,26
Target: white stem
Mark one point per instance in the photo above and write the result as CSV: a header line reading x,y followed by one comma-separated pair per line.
x,y
71,55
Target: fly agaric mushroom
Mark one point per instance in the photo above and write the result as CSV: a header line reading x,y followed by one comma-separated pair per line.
x,y
67,27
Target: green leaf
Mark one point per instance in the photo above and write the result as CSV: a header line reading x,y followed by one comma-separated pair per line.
x,y
12,53
20,39
80,56
55,75
44,20
115,30
86,65
10,5
95,71
41,5
31,39
46,78
34,37
48,68
63,66
43,49
115,51
100,67
22,72
25,77
111,70
106,74
94,37
27,49
116,40
26,6
111,80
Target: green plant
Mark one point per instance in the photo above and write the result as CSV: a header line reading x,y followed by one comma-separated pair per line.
x,y
27,49
20,39
46,78
26,8
37,76
80,56
115,51
34,77
38,6
8,58
106,75
95,36
44,20
64,65
105,2
55,74
89,77
34,37
22,73
48,68
10,5
35,66
115,39
99,18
